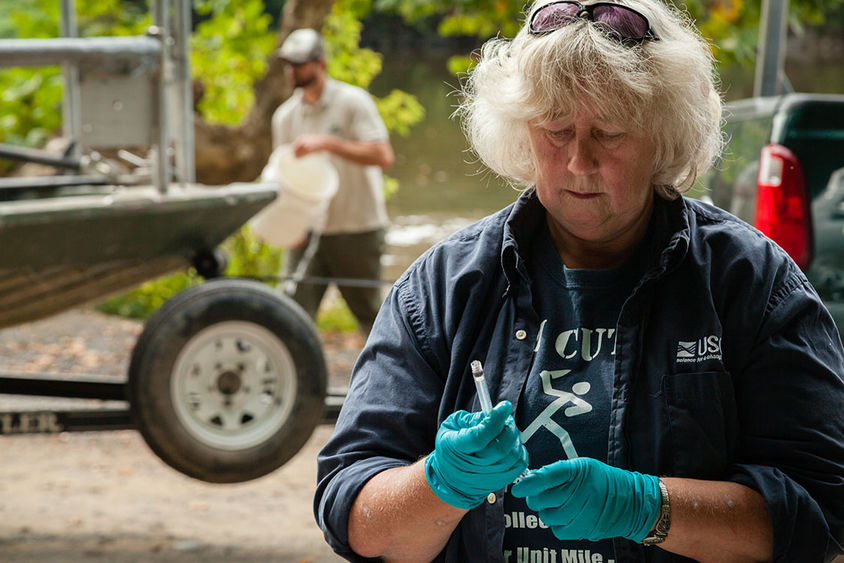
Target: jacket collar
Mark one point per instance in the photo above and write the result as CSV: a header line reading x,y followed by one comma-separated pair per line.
x,y
520,228
670,225
669,231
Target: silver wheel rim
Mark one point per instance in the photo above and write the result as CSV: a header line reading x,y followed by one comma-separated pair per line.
x,y
233,385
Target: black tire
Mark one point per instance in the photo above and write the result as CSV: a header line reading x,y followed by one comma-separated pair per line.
x,y
227,381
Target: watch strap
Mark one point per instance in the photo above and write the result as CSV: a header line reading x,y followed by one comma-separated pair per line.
x,y
663,520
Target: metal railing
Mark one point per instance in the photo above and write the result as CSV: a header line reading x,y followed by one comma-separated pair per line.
x,y
145,80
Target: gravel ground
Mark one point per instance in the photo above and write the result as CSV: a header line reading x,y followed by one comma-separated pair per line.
x,y
104,496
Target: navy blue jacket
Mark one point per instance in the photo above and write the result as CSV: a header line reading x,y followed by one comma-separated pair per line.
x,y
728,367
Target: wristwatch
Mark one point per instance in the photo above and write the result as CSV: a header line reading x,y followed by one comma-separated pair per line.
x,y
663,520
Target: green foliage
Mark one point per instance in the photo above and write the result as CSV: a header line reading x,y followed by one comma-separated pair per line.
x,y
391,186
479,18
30,99
458,65
140,303
347,61
30,105
229,53
248,256
39,19
411,11
400,111
356,9
232,46
111,17
7,8
336,316
731,25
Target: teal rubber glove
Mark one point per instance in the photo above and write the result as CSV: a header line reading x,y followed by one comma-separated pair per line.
x,y
475,454
584,499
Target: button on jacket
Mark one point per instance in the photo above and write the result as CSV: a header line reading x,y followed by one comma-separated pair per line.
x,y
727,367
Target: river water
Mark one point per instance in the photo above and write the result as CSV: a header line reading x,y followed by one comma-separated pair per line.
x,y
441,189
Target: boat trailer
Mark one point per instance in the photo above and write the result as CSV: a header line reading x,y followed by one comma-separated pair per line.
x,y
227,380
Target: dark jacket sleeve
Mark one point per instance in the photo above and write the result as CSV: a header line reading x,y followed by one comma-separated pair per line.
x,y
791,403
388,418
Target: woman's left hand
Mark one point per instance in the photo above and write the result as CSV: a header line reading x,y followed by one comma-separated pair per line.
x,y
583,498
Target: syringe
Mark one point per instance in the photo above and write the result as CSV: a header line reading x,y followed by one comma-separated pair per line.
x,y
486,402
480,385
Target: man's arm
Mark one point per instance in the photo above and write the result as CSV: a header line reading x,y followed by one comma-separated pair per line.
x,y
398,517
365,153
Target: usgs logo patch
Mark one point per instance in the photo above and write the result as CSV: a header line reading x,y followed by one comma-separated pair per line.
x,y
706,348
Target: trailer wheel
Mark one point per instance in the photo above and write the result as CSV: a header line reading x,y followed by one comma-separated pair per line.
x,y
227,381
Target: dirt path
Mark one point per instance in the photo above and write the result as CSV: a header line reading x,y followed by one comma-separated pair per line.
x,y
104,496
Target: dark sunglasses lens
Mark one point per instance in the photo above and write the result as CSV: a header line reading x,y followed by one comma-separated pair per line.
x,y
620,21
553,16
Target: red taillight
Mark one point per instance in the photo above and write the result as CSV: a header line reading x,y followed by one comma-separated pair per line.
x,y
782,204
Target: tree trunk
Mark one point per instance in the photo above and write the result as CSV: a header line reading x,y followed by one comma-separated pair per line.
x,y
238,153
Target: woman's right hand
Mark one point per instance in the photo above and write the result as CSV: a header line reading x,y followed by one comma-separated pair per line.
x,y
474,455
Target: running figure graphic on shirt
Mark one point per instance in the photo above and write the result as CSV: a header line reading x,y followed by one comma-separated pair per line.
x,y
544,420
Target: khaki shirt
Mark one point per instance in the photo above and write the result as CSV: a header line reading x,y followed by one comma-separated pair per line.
x,y
348,112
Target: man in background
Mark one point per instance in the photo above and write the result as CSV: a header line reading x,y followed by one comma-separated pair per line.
x,y
327,115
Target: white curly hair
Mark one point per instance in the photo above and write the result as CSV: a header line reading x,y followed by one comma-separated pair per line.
x,y
665,89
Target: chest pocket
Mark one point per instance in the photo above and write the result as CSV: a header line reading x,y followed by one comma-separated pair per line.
x,y
703,423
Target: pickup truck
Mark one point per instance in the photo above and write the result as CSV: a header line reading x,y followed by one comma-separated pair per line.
x,y
783,172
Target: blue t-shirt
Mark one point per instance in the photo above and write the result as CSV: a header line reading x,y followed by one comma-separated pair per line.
x,y
565,405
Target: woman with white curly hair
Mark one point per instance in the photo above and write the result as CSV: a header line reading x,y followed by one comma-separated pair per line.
x,y
668,384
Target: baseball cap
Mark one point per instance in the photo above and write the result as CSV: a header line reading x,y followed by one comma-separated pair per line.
x,y
301,46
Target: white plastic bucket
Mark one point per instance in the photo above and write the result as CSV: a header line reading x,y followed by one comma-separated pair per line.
x,y
305,187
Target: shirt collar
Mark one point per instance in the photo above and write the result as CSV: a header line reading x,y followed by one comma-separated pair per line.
x,y
329,91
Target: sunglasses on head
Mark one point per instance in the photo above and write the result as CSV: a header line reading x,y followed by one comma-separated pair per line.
x,y
623,23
